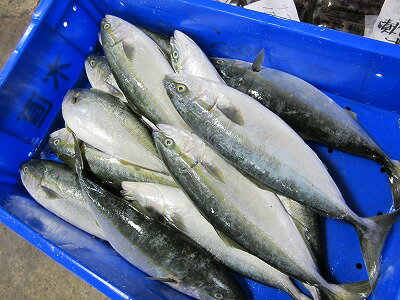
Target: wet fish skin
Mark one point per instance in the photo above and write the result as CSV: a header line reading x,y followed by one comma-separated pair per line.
x,y
100,76
110,170
108,125
176,208
256,141
308,111
139,67
55,186
154,248
236,206
307,222
162,41
188,58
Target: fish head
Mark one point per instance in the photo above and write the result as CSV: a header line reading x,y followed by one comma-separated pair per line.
x,y
62,143
97,69
183,50
112,29
118,32
176,144
230,68
191,93
80,98
32,174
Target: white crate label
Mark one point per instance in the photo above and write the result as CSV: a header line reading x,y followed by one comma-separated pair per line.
x,y
387,26
280,8
369,24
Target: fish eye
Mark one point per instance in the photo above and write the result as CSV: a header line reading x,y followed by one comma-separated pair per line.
x,y
25,169
175,54
92,63
75,98
106,25
181,88
169,142
56,142
218,296
219,61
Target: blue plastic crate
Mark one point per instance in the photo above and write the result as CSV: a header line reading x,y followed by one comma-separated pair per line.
x,y
358,73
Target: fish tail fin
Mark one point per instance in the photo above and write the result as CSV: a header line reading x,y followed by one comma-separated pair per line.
x,y
372,234
349,291
314,291
393,170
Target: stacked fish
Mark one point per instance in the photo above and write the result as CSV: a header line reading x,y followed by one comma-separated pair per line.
x,y
212,172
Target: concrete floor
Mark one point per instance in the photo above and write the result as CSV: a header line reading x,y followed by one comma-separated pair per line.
x,y
26,272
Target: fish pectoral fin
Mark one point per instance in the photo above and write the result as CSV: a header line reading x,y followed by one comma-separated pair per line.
x,y
163,279
52,195
352,114
128,50
258,61
227,241
232,113
113,90
214,170
138,207
177,222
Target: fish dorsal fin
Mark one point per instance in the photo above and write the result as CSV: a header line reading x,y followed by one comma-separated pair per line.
x,y
231,112
128,50
227,241
214,170
258,61
52,195
352,114
163,279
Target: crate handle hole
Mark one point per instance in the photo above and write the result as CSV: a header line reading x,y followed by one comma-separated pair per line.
x,y
330,150
359,266
379,213
348,108
383,170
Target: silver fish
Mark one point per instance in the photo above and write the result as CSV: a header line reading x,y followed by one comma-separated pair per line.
x,y
55,186
176,208
188,58
109,169
100,76
139,68
252,217
106,124
154,248
309,111
259,143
